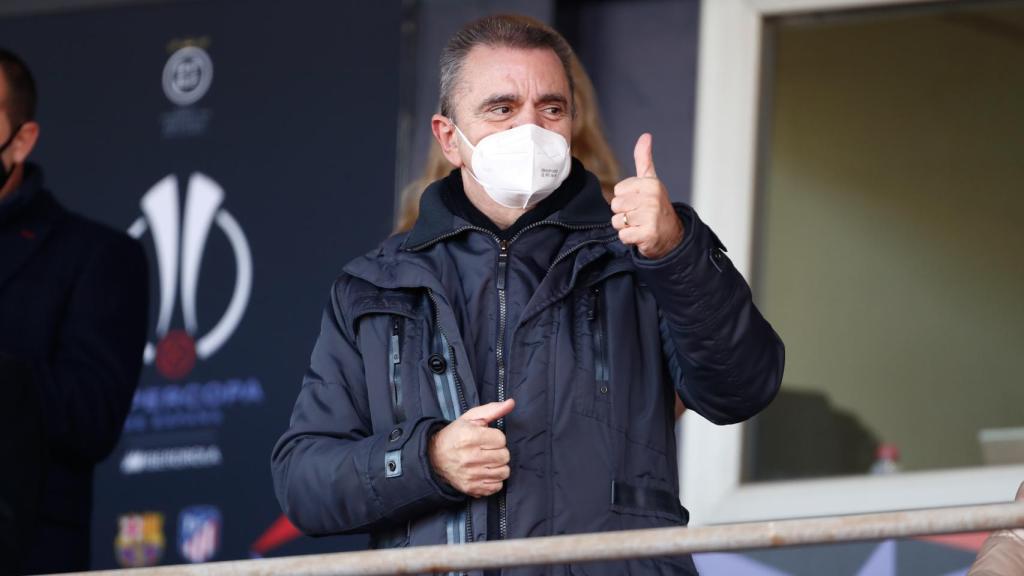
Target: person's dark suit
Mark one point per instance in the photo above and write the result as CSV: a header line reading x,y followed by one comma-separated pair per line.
x,y
73,317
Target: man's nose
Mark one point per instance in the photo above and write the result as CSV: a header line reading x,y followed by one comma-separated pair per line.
x,y
527,115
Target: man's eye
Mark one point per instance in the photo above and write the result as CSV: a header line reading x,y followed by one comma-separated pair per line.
x,y
553,110
501,109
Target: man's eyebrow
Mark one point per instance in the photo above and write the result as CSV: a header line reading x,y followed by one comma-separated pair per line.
x,y
554,97
496,99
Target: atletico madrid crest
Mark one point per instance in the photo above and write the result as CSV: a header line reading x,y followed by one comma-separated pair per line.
x,y
199,533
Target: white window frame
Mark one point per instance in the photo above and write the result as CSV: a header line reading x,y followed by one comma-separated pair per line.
x,y
728,86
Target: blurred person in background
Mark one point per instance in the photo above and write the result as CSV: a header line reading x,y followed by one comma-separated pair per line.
x,y
73,306
1002,554
506,368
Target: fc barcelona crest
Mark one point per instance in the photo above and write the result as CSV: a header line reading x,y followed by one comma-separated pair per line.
x,y
140,539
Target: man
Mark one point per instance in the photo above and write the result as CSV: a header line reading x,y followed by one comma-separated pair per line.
x,y
506,369
73,306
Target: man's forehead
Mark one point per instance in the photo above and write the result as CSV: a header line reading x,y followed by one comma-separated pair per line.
x,y
503,69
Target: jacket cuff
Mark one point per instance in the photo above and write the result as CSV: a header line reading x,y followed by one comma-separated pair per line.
x,y
400,473
696,273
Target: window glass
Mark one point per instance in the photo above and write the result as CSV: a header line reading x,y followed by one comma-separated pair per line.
x,y
890,251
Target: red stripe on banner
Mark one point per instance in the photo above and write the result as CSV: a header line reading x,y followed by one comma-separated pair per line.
x,y
970,541
281,532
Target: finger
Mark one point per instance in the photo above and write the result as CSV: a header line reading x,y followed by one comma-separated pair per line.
x,y
500,473
627,187
622,221
491,439
497,456
489,474
488,413
489,488
631,235
643,156
484,489
625,203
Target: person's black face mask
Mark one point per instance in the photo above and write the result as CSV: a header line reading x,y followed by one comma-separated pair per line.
x,y
4,174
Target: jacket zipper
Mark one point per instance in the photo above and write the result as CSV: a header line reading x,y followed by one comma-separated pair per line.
x,y
463,406
600,345
503,247
499,351
394,372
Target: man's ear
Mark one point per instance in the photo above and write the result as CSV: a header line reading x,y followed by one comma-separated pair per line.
x,y
447,138
24,141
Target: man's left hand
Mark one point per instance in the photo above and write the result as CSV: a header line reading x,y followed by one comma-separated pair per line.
x,y
643,213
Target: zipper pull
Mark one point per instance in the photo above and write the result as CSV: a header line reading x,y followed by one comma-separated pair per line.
x,y
396,355
592,312
502,263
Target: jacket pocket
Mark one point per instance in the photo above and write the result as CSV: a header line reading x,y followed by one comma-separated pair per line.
x,y
650,501
395,370
397,537
593,387
388,342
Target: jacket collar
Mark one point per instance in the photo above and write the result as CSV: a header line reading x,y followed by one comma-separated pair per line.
x,y
22,197
436,221
26,219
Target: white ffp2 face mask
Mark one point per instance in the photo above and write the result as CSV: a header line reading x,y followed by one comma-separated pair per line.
x,y
521,166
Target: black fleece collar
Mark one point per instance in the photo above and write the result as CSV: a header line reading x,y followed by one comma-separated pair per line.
x,y
22,196
444,210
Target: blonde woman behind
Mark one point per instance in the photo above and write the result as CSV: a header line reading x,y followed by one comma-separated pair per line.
x,y
588,145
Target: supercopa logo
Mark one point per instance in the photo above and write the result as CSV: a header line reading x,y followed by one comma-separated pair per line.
x,y
179,247
187,75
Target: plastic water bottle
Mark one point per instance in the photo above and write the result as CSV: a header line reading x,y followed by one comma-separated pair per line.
x,y
887,460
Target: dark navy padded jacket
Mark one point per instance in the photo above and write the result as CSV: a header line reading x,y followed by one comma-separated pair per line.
x,y
590,339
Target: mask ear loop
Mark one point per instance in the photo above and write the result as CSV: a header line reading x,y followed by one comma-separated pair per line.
x,y
4,173
463,136
471,147
18,129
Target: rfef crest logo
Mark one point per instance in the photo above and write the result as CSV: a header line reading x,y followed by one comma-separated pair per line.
x,y
187,75
140,539
179,245
199,533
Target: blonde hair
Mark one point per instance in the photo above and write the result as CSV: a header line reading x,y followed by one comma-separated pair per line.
x,y
589,145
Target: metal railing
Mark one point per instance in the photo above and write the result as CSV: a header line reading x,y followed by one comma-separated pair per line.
x,y
622,545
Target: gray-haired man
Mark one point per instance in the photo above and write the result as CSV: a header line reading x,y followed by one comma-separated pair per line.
x,y
507,368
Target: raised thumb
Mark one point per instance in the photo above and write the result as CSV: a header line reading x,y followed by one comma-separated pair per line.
x,y
643,155
490,412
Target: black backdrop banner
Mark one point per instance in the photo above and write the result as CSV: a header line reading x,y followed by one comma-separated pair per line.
x,y
250,146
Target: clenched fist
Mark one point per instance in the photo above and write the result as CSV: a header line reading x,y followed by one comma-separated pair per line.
x,y
643,213
470,455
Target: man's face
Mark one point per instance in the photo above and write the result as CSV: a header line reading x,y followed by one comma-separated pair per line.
x,y
5,122
24,140
501,88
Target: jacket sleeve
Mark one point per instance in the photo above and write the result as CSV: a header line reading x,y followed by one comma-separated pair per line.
x,y
724,357
88,384
333,471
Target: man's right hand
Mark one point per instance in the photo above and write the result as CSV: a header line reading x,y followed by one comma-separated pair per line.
x,y
470,455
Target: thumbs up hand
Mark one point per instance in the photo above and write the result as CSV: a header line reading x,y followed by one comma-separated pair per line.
x,y
470,455
643,214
